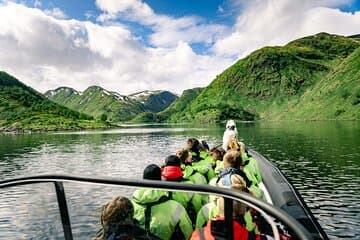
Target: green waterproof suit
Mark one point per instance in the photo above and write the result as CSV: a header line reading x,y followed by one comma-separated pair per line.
x,y
191,174
166,218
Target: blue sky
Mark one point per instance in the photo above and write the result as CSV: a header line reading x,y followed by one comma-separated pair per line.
x,y
208,9
211,11
133,45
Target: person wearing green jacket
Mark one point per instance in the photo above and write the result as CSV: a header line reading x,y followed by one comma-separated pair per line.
x,y
207,212
156,212
201,161
217,156
252,166
172,172
188,171
250,172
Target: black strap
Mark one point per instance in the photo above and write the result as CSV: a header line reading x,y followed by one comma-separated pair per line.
x,y
148,207
252,235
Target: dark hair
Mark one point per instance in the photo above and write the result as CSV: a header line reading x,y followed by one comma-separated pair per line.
x,y
152,172
205,145
193,145
183,154
172,160
119,210
217,154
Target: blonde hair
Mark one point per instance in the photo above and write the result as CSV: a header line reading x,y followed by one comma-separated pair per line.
x,y
234,145
239,208
232,159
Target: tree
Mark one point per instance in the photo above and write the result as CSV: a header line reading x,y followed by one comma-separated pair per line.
x,y
103,117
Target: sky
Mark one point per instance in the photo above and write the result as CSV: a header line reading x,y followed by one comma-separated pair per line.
x,y
129,46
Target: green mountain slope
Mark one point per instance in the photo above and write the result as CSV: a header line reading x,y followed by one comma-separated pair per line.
x,y
180,104
98,102
270,81
336,96
24,109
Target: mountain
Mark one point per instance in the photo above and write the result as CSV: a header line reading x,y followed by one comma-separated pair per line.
x,y
170,112
312,78
98,102
24,109
154,101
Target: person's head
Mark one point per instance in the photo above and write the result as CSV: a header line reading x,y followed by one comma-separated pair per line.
x,y
217,154
232,159
204,145
152,172
230,125
118,211
184,156
234,145
193,145
172,160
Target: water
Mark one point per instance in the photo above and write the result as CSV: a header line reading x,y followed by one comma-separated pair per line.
x,y
320,158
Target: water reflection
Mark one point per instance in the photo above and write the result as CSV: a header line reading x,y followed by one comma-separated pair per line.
x,y
320,158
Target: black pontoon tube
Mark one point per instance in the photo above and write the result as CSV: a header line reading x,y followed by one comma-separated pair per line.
x,y
285,196
297,228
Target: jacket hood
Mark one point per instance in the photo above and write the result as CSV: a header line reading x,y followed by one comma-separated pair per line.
x,y
172,173
187,171
143,196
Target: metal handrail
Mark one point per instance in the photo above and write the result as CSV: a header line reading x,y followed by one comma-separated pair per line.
x,y
291,223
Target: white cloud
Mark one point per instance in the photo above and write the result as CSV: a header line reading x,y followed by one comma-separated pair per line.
x,y
56,13
45,52
89,15
276,22
168,31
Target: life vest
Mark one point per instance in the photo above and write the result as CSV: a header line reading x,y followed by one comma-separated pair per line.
x,y
226,175
215,230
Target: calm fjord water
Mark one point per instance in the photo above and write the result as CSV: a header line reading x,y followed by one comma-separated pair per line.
x,y
322,160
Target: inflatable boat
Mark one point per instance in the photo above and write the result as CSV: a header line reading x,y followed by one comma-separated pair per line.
x,y
285,204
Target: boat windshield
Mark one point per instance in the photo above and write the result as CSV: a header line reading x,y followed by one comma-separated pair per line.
x,y
66,210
